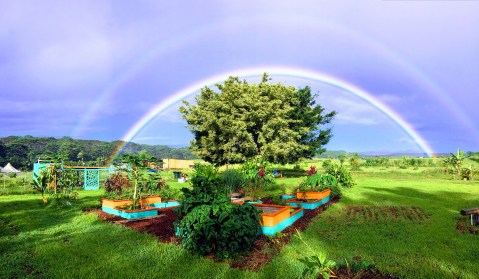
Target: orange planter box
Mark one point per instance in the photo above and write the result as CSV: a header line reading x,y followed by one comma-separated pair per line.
x,y
273,214
313,195
150,199
115,203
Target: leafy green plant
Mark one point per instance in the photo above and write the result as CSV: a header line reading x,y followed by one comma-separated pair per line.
x,y
467,173
278,200
320,182
167,193
151,182
138,165
233,180
255,184
317,264
455,161
41,182
356,264
209,222
342,174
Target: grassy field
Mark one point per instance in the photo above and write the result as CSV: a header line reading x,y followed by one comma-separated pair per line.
x,y
402,221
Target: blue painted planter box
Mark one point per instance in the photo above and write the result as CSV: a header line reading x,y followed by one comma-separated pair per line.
x,y
287,197
307,205
130,214
254,202
272,230
164,204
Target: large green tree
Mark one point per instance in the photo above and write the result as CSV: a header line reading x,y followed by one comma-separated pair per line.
x,y
242,120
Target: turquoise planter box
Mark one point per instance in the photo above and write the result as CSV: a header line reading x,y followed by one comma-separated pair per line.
x,y
271,231
287,197
164,204
254,202
130,215
307,205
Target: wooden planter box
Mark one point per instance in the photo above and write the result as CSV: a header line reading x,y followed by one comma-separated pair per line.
x,y
150,199
313,195
275,218
132,214
114,203
310,204
114,207
166,204
287,196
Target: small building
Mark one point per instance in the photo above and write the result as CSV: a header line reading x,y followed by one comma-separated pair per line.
x,y
178,164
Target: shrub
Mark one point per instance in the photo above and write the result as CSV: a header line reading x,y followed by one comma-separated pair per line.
x,y
209,222
327,163
116,185
152,182
341,174
168,193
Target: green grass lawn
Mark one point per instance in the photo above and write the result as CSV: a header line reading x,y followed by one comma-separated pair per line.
x,y
404,223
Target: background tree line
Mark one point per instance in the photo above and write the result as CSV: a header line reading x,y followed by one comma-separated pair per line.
x,y
22,152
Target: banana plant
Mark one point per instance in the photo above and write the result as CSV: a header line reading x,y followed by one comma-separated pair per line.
x,y
41,183
456,160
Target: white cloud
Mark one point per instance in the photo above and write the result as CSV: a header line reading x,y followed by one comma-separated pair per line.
x,y
351,109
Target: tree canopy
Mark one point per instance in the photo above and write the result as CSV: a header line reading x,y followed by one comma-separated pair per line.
x,y
242,120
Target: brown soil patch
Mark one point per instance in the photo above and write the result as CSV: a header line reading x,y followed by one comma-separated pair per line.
x,y
160,226
363,274
463,225
385,213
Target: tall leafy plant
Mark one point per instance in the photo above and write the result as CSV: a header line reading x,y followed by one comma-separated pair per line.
x,y
138,164
342,175
321,182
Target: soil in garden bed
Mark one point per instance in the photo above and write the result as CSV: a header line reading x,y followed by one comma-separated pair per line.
x,y
160,226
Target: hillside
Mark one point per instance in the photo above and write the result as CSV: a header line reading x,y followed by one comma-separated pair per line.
x,y
22,152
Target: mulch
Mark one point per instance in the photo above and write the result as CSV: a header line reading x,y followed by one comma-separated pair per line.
x,y
264,248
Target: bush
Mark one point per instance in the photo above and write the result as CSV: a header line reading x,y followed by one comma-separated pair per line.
x,y
341,174
225,229
168,193
116,185
209,222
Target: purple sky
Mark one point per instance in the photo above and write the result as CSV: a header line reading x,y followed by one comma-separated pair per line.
x,y
92,69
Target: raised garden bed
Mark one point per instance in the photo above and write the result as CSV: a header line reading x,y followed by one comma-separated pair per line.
x,y
131,214
263,249
313,195
117,207
165,204
307,204
287,196
275,218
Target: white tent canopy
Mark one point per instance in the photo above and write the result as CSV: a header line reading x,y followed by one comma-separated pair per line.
x,y
9,168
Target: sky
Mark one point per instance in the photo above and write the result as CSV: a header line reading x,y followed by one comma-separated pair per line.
x,y
99,69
